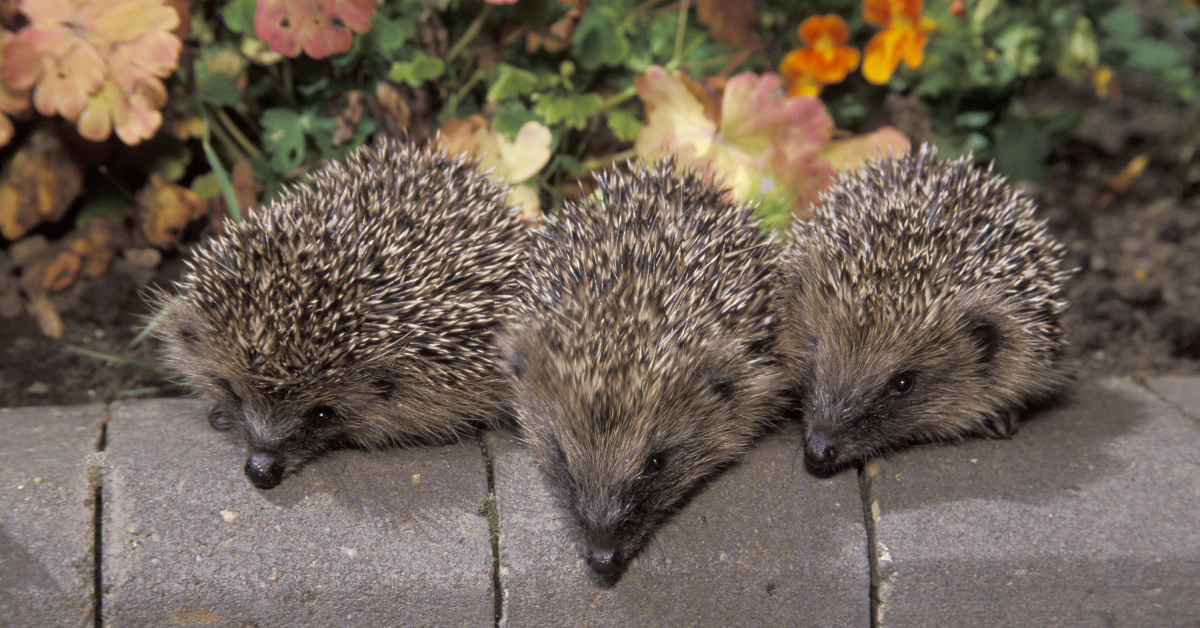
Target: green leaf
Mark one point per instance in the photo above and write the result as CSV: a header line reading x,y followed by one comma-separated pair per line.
x,y
387,36
624,125
239,16
1150,54
422,68
511,116
572,111
973,119
220,90
1021,147
511,81
171,157
283,138
207,185
1122,22
598,40
105,202
570,164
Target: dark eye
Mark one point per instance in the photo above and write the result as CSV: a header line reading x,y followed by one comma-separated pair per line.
x,y
901,383
321,416
655,464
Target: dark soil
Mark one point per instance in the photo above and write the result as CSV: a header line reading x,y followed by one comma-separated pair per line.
x,y
1136,300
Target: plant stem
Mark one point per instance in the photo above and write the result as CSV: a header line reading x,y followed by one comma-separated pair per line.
x,y
469,34
617,99
218,168
600,162
242,141
680,30
452,102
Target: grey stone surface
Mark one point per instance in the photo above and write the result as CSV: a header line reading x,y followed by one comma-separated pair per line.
x,y
47,515
387,538
765,544
1087,517
1184,392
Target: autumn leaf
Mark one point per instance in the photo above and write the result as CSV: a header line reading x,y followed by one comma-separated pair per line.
x,y
852,153
756,142
84,252
12,100
99,62
38,185
168,208
318,28
733,22
558,35
511,161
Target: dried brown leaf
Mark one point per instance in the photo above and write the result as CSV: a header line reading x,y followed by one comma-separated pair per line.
x,y
54,269
245,187
38,186
733,22
557,37
392,112
167,208
47,317
347,119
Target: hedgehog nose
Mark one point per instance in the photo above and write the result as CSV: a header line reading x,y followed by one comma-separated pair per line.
x,y
263,470
819,454
603,561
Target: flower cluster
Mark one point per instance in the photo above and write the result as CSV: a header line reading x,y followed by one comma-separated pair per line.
x,y
826,59
765,147
99,63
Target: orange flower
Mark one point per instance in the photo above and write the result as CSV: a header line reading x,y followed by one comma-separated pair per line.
x,y
824,59
903,36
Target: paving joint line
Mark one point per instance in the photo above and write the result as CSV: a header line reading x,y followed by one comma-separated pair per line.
x,y
488,508
97,474
1145,383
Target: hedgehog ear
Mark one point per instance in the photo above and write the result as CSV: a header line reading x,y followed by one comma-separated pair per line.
x,y
983,333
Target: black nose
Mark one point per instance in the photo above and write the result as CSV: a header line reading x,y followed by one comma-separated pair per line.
x,y
263,470
820,455
604,561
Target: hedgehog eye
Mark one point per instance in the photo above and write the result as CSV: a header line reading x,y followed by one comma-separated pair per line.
x,y
655,464
320,416
902,383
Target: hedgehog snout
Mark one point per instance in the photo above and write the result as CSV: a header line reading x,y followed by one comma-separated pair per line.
x,y
604,560
820,455
264,470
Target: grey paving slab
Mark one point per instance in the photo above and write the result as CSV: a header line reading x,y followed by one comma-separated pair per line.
x,y
1087,517
1182,391
765,544
386,538
48,467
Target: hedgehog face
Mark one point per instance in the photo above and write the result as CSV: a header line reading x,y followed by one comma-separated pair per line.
x,y
624,446
283,430
870,391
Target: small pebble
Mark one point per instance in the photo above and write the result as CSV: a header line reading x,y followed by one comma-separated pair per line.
x,y
1139,293
144,257
38,388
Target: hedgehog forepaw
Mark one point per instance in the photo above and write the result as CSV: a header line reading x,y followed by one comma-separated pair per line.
x,y
1001,425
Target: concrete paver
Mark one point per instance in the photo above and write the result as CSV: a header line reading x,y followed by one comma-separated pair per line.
x,y
1184,392
47,515
1087,517
765,544
387,538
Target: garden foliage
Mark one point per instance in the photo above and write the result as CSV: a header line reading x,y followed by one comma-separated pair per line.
x,y
175,115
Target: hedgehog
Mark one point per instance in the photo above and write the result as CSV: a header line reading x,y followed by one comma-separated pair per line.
x,y
639,352
358,309
921,302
